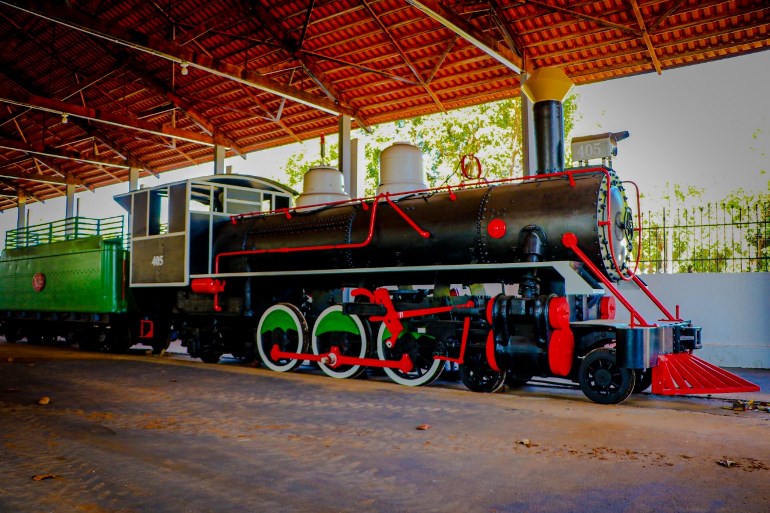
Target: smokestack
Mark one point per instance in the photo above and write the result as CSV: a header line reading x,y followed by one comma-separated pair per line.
x,y
546,88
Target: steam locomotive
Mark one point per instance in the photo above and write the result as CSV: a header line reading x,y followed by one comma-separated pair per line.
x,y
505,280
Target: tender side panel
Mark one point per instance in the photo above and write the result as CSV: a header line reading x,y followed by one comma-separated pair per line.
x,y
85,275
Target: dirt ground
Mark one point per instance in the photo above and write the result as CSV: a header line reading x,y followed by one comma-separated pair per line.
x,y
140,433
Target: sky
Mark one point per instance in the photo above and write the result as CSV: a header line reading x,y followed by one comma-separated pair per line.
x,y
706,125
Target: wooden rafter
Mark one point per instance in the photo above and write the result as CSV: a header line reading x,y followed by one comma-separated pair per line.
x,y
277,120
468,31
292,47
92,131
162,48
646,36
348,64
303,33
20,191
102,116
504,27
220,136
586,17
47,151
675,4
442,58
403,55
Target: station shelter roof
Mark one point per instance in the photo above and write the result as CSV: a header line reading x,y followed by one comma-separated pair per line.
x,y
89,88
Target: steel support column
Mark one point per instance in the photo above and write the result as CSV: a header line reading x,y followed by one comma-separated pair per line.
x,y
344,152
357,169
529,152
69,207
219,159
133,178
21,217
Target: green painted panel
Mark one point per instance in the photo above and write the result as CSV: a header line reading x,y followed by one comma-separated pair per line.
x,y
278,319
336,322
84,275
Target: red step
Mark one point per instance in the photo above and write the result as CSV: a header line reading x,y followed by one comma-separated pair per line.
x,y
683,373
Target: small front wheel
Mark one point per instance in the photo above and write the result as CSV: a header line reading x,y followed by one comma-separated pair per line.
x,y
602,380
478,376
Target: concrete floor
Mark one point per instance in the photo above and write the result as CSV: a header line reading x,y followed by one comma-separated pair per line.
x,y
138,433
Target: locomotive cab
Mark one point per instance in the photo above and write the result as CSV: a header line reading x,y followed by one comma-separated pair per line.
x,y
166,221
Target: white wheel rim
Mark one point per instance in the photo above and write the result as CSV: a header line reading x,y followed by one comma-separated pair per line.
x,y
298,321
394,374
314,341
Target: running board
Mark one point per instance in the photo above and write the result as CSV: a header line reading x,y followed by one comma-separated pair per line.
x,y
683,373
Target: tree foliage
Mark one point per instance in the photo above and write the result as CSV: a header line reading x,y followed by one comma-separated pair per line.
x,y
490,131
730,235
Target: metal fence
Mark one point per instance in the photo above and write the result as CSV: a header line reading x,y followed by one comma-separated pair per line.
x,y
714,237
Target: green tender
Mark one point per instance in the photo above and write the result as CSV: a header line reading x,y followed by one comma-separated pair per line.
x,y
83,275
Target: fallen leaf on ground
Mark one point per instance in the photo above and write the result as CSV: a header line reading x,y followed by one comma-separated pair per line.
x,y
423,427
41,477
44,400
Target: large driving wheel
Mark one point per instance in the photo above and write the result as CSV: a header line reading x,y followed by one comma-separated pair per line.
x,y
477,375
285,326
602,380
421,350
348,333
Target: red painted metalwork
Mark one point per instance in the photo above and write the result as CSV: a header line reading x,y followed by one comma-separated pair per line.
x,y
490,350
490,310
464,167
655,300
424,234
463,344
558,312
334,359
561,351
38,282
684,373
322,247
392,317
497,228
607,307
209,286
570,240
146,328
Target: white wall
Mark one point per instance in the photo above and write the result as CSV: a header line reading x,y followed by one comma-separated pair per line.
x,y
732,309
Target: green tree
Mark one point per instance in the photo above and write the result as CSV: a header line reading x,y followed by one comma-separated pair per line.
x,y
730,235
491,131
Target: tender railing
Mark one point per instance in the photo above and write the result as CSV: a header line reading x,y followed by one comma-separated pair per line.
x,y
65,229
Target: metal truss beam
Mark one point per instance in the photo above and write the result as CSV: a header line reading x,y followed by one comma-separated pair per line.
x,y
59,13
470,33
57,107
